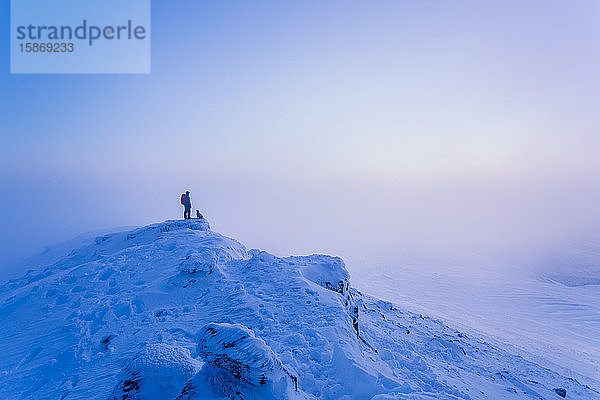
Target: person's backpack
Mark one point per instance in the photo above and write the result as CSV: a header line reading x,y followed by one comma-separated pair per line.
x,y
183,199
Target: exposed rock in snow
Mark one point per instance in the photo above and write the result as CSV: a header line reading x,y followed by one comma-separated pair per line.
x,y
329,272
158,372
176,310
201,263
561,392
239,366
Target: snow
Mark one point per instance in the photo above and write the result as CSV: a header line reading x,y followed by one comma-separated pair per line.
x,y
556,325
175,310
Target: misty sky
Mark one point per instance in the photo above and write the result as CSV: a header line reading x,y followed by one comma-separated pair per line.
x,y
370,130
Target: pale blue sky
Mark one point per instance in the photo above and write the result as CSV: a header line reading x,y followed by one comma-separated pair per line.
x,y
365,129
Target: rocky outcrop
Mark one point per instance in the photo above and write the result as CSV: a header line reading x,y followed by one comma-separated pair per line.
x,y
331,273
239,366
158,371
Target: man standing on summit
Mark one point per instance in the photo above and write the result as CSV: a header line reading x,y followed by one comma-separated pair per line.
x,y
186,201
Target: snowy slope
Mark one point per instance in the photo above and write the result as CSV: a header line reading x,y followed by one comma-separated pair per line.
x,y
558,325
575,264
14,265
176,311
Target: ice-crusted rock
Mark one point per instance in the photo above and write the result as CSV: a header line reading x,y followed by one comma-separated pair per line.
x,y
202,262
157,372
239,366
330,273
327,271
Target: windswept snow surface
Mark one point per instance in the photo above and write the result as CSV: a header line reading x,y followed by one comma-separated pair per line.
x,y
544,316
177,311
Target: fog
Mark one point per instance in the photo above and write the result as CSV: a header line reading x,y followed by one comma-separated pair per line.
x,y
395,133
370,225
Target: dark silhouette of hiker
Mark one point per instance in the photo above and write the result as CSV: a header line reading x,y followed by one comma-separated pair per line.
x,y
186,201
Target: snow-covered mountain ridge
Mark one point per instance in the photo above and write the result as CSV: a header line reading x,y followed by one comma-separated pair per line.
x,y
176,311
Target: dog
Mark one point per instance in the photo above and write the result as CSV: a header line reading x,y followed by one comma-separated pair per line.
x,y
198,215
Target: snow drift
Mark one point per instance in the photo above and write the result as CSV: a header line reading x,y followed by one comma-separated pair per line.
x,y
176,311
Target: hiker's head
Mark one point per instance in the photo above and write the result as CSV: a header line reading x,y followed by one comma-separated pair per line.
x,y
187,192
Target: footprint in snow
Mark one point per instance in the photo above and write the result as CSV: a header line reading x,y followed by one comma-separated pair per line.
x,y
106,274
138,305
31,355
